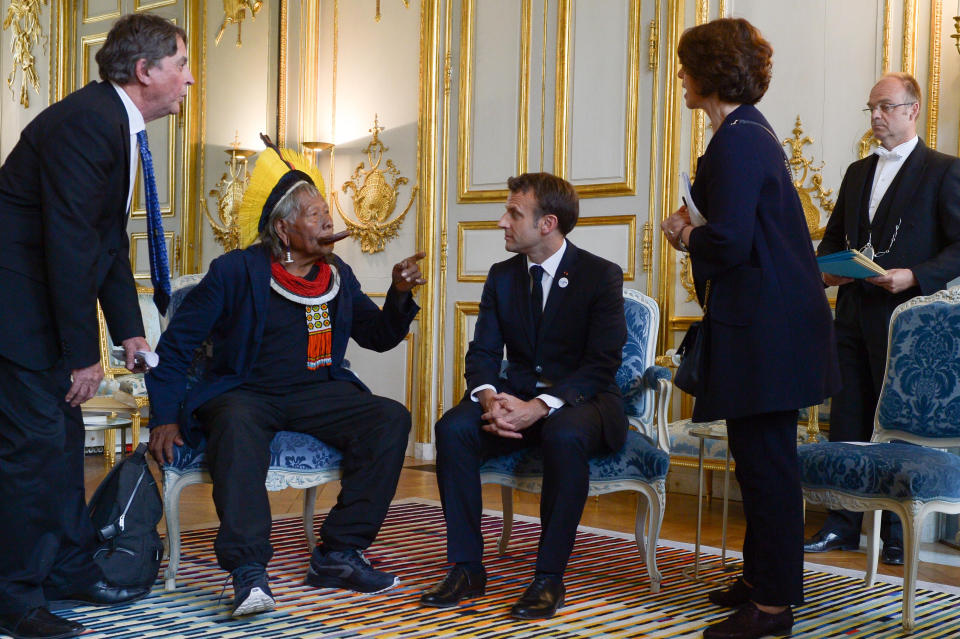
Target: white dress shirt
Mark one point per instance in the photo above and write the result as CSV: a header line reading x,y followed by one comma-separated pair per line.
x,y
550,266
137,125
888,165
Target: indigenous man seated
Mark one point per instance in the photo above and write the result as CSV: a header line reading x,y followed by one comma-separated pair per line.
x,y
279,314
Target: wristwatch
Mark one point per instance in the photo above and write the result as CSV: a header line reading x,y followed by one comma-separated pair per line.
x,y
681,243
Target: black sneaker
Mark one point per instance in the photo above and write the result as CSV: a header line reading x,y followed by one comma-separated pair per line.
x,y
347,569
251,594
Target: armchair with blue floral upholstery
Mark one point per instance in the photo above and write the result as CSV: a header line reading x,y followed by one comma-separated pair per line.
x,y
641,465
297,460
903,469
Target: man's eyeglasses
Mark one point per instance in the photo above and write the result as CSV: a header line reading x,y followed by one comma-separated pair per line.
x,y
885,107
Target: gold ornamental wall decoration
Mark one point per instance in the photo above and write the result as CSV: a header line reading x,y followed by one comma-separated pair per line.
x,y
374,198
235,12
803,168
229,193
406,4
23,16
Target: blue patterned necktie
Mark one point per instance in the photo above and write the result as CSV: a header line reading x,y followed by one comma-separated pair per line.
x,y
157,245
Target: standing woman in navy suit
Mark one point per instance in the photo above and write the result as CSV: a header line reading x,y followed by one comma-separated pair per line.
x,y
770,348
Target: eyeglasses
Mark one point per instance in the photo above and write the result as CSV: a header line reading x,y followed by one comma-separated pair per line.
x,y
885,107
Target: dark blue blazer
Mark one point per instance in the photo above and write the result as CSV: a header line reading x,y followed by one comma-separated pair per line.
x,y
229,306
579,344
63,233
771,344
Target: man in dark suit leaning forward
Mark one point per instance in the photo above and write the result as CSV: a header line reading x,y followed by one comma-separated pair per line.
x,y
65,191
559,311
900,206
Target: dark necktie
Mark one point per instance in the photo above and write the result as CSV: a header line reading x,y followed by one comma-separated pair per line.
x,y
159,266
536,294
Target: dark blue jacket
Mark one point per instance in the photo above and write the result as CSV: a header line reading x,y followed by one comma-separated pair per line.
x,y
579,344
771,344
229,306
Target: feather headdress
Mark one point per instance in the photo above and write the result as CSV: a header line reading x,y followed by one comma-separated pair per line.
x,y
276,172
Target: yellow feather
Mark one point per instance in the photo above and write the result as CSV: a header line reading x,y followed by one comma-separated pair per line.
x,y
266,173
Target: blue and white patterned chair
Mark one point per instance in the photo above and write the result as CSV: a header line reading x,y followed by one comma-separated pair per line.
x,y
903,469
296,461
641,465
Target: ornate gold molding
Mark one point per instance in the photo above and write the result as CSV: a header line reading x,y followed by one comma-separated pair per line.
x,y
803,168
652,219
282,74
23,19
461,311
430,84
374,199
653,40
887,35
377,16
235,12
686,278
309,72
933,77
910,9
866,144
699,117
444,194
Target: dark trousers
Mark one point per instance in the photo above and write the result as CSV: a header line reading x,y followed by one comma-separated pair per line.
x,y
46,538
764,447
852,413
568,439
370,431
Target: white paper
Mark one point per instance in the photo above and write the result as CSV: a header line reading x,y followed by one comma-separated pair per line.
x,y
151,359
686,197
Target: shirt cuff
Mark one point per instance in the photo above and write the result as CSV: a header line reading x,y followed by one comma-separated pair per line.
x,y
553,403
473,393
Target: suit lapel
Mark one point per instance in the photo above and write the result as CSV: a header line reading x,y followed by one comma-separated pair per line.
x,y
899,195
258,270
124,121
861,185
558,293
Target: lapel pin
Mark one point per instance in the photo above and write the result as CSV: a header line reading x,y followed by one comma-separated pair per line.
x,y
563,282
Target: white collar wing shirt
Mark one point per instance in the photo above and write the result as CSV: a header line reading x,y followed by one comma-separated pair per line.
x,y
889,164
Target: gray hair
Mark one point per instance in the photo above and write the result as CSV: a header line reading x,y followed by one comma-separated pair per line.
x,y
133,37
287,209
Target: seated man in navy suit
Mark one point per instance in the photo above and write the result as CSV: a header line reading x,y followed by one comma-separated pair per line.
x,y
559,311
279,315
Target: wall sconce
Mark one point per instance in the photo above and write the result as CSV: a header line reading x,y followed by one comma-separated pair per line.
x,y
315,149
229,193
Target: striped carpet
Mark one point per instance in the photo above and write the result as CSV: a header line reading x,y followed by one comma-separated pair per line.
x,y
607,594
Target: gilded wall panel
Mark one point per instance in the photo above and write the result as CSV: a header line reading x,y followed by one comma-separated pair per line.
x,y
598,67
494,96
465,319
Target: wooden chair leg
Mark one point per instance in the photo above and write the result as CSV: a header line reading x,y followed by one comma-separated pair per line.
x,y
506,497
172,487
911,558
309,503
872,518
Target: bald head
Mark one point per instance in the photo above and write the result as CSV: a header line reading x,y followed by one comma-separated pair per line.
x,y
895,105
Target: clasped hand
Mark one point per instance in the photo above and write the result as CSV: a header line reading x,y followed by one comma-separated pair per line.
x,y
673,226
506,415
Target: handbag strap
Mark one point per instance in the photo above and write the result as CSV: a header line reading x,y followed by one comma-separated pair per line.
x,y
706,298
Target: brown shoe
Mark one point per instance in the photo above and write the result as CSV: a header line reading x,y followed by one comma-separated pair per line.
x,y
749,622
734,596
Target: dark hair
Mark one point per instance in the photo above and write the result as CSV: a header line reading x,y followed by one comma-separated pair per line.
x,y
910,84
554,195
728,58
136,36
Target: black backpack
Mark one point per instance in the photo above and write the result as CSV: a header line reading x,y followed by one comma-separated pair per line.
x,y
125,511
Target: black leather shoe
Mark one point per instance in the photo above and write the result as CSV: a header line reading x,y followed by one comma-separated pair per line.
x,y
459,584
38,623
734,596
749,622
99,593
830,540
540,600
892,554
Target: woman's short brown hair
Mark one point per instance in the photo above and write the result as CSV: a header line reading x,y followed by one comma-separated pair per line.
x,y
727,58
